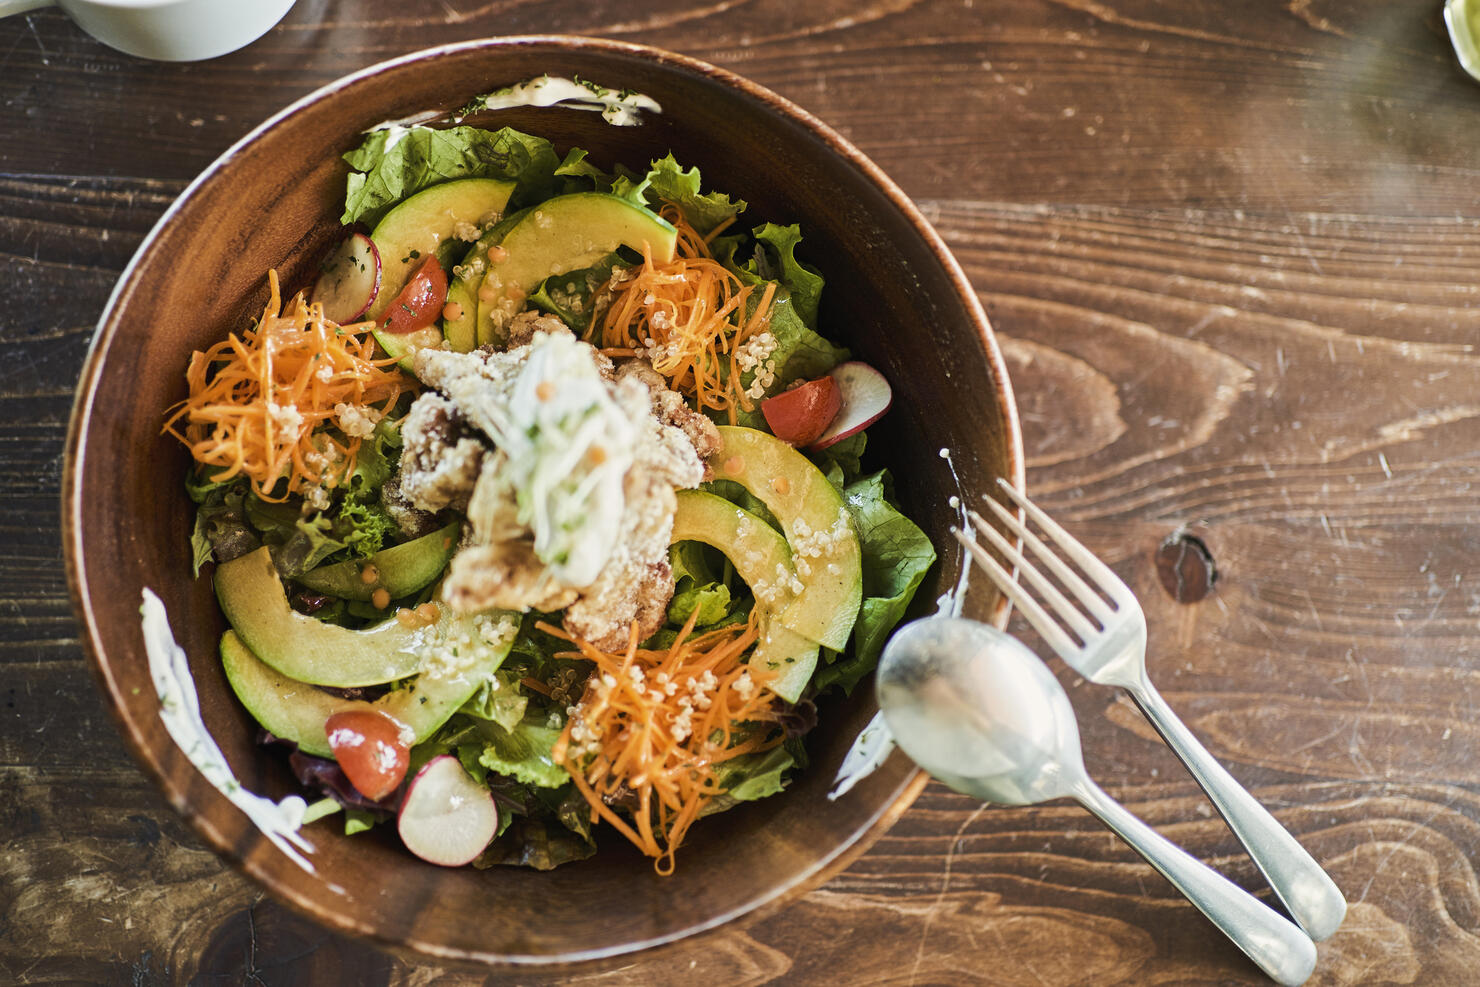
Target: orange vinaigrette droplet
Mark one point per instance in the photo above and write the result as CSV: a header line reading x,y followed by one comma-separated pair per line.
x,y
781,485
369,575
381,598
735,465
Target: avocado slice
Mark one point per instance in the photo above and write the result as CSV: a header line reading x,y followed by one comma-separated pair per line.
x,y
461,333
824,547
400,570
423,223
402,347
297,711
763,559
562,234
312,651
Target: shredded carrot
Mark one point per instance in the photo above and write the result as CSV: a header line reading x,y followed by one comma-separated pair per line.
x,y
690,317
257,400
656,723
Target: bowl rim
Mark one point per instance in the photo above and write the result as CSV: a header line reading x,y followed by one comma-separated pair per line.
x,y
92,638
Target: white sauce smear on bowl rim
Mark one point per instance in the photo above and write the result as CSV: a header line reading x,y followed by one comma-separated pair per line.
x,y
179,709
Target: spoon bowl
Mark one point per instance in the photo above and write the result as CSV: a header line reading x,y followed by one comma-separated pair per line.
x,y
982,713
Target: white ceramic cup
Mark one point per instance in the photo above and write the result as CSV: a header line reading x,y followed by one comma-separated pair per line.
x,y
167,30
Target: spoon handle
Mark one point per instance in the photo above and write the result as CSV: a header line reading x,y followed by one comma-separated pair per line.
x,y
1273,942
1308,892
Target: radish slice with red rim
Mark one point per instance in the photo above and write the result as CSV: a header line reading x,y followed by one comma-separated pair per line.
x,y
447,818
349,279
866,395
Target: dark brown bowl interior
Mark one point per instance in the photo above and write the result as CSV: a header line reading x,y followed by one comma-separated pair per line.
x,y
894,295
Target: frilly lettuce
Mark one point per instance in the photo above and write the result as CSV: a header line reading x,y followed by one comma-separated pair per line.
x,y
396,162
523,753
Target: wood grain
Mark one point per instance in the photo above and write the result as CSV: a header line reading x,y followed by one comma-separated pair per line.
x,y
1232,253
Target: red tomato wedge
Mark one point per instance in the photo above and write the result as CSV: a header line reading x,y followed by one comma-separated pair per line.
x,y
368,746
420,303
799,415
866,396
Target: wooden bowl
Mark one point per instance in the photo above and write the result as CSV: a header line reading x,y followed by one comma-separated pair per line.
x,y
894,295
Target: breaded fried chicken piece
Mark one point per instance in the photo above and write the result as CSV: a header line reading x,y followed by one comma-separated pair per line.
x,y
670,408
440,457
497,566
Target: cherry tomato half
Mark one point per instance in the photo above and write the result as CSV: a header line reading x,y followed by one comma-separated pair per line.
x,y
368,746
800,415
420,302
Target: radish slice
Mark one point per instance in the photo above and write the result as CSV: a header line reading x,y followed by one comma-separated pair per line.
x,y
447,818
349,280
866,396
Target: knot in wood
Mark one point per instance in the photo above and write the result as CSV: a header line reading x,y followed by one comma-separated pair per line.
x,y
1185,567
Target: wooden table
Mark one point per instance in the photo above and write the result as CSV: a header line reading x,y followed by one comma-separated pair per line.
x,y
1230,251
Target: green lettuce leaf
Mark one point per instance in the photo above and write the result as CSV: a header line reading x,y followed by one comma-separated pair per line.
x,y
358,821
800,353
702,578
498,699
523,753
694,561
366,528
312,541
712,600
394,163
201,549
778,263
750,777
756,776
841,461
535,842
576,166
896,556
222,531
569,295
667,181
375,461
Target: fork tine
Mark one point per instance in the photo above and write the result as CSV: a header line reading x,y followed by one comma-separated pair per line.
x,y
1101,573
1071,579
1056,600
1046,626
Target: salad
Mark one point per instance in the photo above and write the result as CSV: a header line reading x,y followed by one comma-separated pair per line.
x,y
543,511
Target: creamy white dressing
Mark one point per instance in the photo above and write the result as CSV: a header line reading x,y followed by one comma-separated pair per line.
x,y
569,447
407,122
179,709
949,603
393,134
619,108
870,750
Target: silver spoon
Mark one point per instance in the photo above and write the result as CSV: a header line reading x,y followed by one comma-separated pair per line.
x,y
981,712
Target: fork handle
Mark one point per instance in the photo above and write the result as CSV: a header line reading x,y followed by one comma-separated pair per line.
x,y
1273,942
1307,891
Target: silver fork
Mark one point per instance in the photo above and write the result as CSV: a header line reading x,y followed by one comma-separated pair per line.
x,y
1111,650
